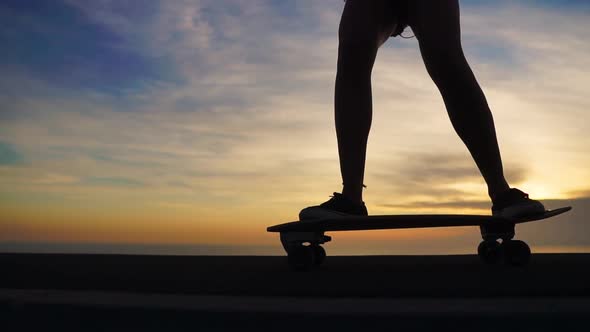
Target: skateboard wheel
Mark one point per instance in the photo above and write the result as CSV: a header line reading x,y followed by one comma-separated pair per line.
x,y
319,254
489,251
301,258
516,252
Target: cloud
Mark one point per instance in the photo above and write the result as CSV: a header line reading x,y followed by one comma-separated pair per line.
x,y
53,42
439,206
569,229
113,181
579,194
9,155
434,180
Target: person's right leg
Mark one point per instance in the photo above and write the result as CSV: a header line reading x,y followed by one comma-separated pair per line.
x,y
365,25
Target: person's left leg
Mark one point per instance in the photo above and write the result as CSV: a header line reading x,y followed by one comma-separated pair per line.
x,y
437,28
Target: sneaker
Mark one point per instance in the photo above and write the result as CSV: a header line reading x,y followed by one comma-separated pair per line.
x,y
337,206
515,204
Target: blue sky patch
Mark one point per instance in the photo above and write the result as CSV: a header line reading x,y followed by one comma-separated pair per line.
x,y
9,155
58,43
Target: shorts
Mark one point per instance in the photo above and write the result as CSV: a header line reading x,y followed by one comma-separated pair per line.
x,y
401,11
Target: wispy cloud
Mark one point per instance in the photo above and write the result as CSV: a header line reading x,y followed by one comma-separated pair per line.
x,y
434,180
9,155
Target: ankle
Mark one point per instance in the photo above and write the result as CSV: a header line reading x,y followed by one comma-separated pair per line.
x,y
497,194
494,192
355,198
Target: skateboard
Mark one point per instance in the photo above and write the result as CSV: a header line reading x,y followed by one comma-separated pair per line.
x,y
302,240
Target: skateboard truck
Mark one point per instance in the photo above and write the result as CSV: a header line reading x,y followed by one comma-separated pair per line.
x,y
498,230
294,239
490,251
303,257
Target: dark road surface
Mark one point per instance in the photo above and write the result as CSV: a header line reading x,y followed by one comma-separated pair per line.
x,y
217,293
340,276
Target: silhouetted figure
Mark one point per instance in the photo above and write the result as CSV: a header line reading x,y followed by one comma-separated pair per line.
x,y
365,26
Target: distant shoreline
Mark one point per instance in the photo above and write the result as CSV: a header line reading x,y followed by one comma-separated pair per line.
x,y
239,250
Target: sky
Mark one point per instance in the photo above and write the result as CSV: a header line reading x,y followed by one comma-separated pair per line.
x,y
190,126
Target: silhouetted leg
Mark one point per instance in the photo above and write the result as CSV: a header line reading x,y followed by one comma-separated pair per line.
x,y
364,26
436,25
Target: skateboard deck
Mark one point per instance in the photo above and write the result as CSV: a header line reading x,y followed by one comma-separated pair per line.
x,y
302,240
358,223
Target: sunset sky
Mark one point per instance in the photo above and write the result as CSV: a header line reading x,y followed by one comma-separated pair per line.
x,y
201,122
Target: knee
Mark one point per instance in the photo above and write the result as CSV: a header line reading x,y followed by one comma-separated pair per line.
x,y
445,62
356,54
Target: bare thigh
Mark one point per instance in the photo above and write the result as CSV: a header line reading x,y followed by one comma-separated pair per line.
x,y
436,25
